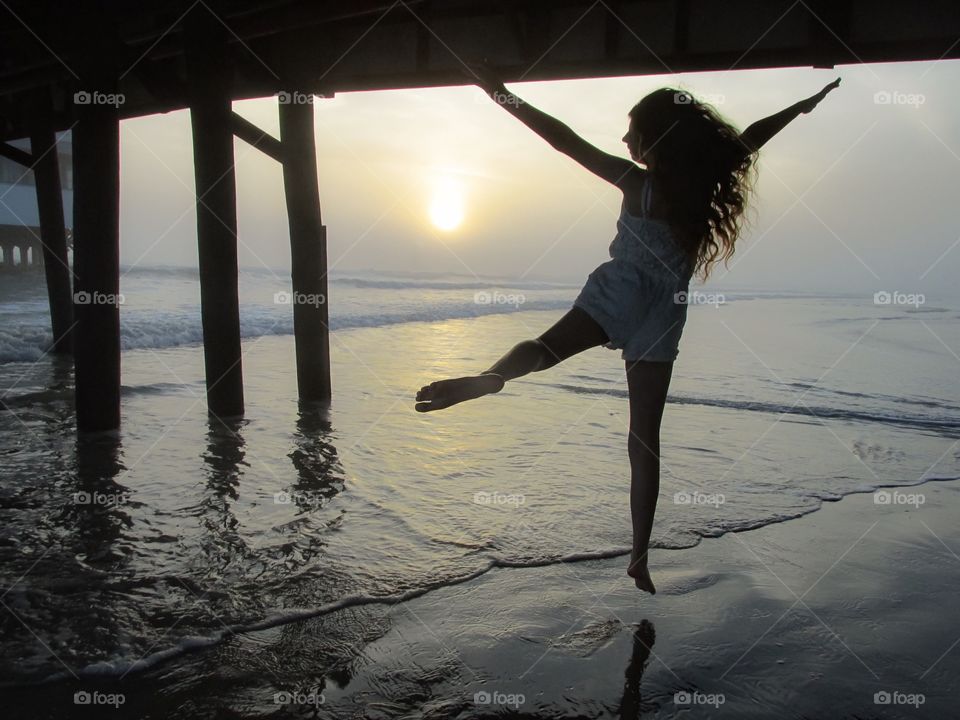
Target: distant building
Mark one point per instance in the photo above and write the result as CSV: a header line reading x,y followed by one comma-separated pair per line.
x,y
20,246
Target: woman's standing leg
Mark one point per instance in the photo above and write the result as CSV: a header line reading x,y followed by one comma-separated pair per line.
x,y
647,383
575,332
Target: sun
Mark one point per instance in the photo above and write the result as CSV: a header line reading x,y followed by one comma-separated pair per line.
x,y
446,204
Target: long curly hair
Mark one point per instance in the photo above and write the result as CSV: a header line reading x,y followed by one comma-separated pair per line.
x,y
703,174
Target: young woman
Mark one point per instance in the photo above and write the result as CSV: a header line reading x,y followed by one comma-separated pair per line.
x,y
680,215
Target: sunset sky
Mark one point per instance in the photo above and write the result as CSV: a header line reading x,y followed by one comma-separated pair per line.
x,y
859,196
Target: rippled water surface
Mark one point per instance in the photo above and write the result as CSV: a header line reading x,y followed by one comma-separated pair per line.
x,y
122,552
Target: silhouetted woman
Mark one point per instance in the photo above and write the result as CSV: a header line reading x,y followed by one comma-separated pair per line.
x,y
680,215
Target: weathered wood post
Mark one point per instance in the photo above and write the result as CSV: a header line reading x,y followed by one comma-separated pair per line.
x,y
308,246
53,234
96,228
209,76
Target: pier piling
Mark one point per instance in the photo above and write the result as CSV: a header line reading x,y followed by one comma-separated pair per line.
x,y
96,264
209,73
308,250
53,234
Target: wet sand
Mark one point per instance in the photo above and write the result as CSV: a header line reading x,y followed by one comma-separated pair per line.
x,y
843,613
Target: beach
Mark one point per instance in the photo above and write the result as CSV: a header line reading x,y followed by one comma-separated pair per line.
x,y
844,613
365,560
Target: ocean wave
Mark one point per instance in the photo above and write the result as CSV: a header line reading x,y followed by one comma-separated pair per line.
x,y
160,330
479,284
118,667
800,408
356,278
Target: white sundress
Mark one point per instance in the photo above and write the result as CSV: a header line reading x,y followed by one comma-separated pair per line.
x,y
639,297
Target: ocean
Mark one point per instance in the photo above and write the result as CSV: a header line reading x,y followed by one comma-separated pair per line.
x,y
126,554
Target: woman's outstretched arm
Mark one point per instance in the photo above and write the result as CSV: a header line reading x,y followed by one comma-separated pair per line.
x,y
755,136
616,170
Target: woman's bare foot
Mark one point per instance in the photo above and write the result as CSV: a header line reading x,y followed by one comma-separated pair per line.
x,y
641,576
444,393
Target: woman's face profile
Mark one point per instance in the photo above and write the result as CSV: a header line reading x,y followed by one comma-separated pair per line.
x,y
634,142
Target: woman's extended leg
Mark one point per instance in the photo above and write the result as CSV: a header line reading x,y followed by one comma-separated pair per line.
x,y
573,333
647,383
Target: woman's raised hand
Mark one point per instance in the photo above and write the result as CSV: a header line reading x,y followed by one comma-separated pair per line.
x,y
811,102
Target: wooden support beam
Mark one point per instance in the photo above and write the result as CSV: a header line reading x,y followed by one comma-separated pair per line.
x,y
211,117
96,229
424,36
53,235
260,139
829,23
308,252
611,31
681,26
12,152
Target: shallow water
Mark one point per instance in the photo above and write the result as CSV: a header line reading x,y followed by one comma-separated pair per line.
x,y
121,553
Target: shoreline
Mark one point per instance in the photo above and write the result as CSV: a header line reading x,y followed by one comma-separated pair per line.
x,y
729,614
733,620
196,645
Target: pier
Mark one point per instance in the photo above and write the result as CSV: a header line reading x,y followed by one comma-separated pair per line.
x,y
85,67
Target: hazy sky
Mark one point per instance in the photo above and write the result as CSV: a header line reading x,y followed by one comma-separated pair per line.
x,y
858,196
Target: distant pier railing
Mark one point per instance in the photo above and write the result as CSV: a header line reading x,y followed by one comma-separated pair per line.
x,y
21,248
